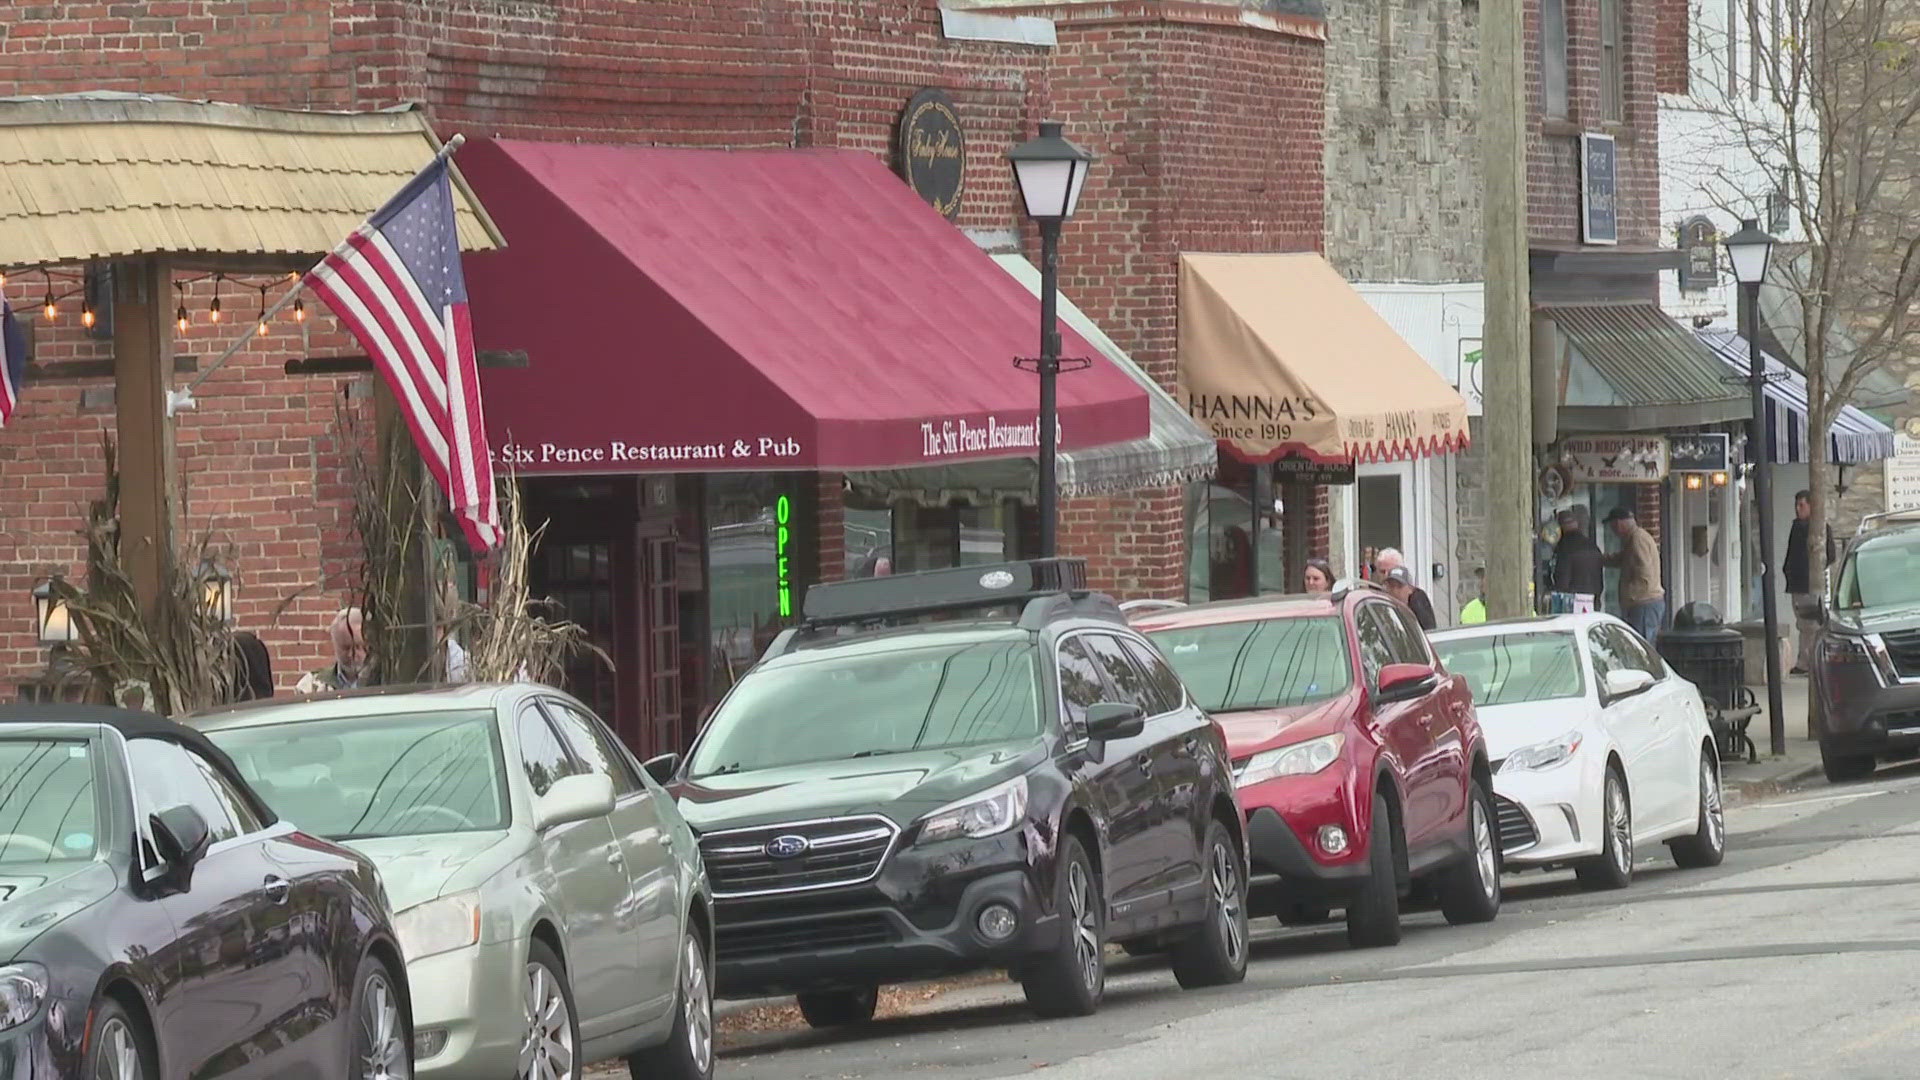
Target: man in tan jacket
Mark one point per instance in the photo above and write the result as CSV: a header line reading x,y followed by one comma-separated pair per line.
x,y
1643,602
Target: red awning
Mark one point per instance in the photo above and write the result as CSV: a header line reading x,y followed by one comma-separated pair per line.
x,y
708,310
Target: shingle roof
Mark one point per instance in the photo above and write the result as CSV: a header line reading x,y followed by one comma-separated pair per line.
x,y
105,175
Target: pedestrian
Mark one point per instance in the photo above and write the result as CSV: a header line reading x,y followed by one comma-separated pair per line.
x,y
1643,601
1579,567
1798,572
1318,576
1475,611
1400,586
252,668
351,667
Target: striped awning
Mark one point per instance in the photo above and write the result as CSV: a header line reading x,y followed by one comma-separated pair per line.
x,y
1856,437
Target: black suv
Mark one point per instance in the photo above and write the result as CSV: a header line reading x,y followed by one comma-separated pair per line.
x,y
1865,694
963,769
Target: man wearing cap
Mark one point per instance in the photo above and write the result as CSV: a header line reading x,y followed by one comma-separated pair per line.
x,y
1400,586
1643,602
1579,568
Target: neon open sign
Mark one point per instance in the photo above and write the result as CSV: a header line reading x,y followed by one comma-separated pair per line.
x,y
782,514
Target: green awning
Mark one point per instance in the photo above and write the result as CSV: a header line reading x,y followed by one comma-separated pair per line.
x,y
1630,367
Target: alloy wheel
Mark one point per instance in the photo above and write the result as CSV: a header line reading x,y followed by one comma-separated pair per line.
x,y
1086,924
1483,852
383,1050
1710,803
1226,902
696,1003
547,1052
120,1056
1619,825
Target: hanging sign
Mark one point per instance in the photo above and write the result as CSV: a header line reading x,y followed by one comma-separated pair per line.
x,y
1700,242
1903,474
1615,459
1599,190
933,151
1708,453
1305,470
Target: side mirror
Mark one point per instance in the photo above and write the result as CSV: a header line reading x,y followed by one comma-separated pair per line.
x,y
1111,720
1627,682
663,768
571,799
1404,682
181,839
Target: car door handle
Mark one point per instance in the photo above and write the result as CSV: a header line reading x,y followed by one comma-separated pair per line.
x,y
278,889
1145,763
613,857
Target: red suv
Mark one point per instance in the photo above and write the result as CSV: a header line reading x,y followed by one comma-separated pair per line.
x,y
1358,761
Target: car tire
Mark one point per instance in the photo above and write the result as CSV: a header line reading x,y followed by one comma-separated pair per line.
x,y
1613,867
382,1044
552,1037
1071,978
120,1046
1373,917
1216,955
1840,768
839,1008
1708,845
688,1052
1470,888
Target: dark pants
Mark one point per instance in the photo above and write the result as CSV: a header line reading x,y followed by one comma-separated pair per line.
x,y
1647,619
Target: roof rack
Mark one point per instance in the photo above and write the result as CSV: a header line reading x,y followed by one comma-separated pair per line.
x,y
959,589
1886,517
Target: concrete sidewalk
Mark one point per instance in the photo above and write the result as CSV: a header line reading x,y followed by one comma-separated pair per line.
x,y
1771,775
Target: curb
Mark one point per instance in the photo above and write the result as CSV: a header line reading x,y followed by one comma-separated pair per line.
x,y
1756,789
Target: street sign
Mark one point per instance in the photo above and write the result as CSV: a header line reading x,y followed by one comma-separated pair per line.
x,y
1903,473
1615,459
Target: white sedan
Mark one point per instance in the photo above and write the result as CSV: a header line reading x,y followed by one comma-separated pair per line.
x,y
1597,747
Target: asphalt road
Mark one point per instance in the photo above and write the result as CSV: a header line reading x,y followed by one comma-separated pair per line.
x,y
1799,957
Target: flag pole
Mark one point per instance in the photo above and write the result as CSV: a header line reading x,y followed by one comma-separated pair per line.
x,y
183,398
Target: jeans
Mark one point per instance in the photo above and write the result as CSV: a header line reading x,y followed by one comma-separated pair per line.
x,y
1647,619
1806,619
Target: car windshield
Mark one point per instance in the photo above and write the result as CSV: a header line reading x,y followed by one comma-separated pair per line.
x,y
48,807
1270,664
866,704
1511,669
361,777
1883,572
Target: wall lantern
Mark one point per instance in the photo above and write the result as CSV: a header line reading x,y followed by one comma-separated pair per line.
x,y
216,592
1719,479
53,621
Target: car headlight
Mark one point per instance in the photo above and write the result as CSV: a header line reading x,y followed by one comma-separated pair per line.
x,y
989,813
1543,755
23,987
1835,649
1300,759
437,926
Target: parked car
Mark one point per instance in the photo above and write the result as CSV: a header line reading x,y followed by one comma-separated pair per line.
x,y
1865,683
1360,767
162,922
550,902
1598,748
1015,786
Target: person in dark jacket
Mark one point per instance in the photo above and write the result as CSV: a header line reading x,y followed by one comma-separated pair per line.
x,y
1798,572
253,669
1399,585
1579,567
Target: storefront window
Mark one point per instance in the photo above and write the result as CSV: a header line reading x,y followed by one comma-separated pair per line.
x,y
1223,533
755,531
1593,502
908,537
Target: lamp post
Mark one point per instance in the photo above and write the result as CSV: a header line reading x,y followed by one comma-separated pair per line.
x,y
1050,171
1750,250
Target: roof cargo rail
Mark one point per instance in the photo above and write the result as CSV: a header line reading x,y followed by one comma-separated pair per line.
x,y
930,592
1871,522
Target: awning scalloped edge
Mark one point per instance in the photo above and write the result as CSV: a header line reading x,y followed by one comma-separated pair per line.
x,y
1406,449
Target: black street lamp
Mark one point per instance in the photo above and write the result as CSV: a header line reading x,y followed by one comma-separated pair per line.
x,y
1050,172
1750,250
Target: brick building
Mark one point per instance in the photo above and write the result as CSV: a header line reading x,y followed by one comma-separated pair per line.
x,y
1161,90
1404,223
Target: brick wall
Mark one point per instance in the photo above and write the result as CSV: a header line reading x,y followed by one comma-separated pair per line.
x,y
1207,127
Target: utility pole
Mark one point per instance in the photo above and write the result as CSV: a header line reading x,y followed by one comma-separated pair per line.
x,y
1507,379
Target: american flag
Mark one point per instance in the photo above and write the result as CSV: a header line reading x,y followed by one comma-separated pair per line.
x,y
397,284
13,362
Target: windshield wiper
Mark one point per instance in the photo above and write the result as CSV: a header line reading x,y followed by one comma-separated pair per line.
x,y
724,770
877,753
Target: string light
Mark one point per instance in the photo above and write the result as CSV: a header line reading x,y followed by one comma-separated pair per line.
x,y
213,309
86,314
3,279
261,327
299,311
50,311
180,313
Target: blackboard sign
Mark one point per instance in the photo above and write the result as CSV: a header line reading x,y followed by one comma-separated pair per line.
x,y
933,151
1700,242
1305,470
1599,190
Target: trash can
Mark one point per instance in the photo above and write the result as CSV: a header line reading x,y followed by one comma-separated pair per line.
x,y
1712,656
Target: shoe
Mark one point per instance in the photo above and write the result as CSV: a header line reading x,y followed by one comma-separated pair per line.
x,y
1798,671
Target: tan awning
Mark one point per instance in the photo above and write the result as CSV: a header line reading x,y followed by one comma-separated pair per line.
x,y
1280,356
104,175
